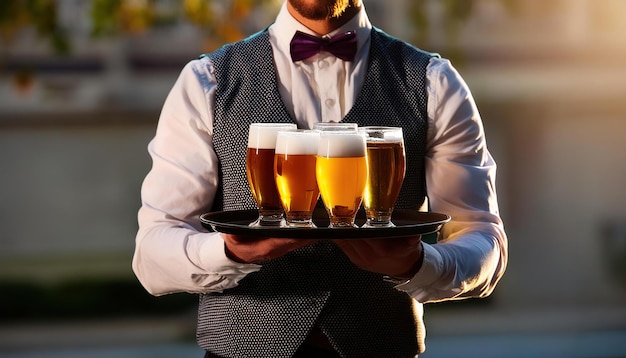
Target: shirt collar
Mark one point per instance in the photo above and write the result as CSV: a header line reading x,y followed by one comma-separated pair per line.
x,y
286,26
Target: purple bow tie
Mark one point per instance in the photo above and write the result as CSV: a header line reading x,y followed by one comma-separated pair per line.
x,y
304,45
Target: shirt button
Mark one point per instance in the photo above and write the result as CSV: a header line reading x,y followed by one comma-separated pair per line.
x,y
329,102
323,64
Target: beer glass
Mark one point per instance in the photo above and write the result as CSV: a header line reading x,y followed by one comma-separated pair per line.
x,y
386,168
341,171
335,126
294,173
260,171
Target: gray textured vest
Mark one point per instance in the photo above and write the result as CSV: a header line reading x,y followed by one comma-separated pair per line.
x,y
271,311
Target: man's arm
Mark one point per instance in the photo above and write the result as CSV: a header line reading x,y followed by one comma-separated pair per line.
x,y
471,253
173,253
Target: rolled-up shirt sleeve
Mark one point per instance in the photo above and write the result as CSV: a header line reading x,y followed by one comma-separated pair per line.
x,y
470,255
173,253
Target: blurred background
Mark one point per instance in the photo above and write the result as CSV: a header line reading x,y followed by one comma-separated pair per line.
x,y
81,87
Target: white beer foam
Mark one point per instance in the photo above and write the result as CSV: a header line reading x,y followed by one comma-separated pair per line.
x,y
341,144
297,142
383,134
334,126
263,135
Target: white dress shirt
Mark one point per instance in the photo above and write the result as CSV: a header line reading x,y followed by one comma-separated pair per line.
x,y
173,253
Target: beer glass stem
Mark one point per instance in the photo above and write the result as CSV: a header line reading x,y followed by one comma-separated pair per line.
x,y
269,218
291,222
338,222
378,219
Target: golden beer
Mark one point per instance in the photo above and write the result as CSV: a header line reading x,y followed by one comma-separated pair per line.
x,y
342,182
386,169
341,170
294,174
386,163
297,185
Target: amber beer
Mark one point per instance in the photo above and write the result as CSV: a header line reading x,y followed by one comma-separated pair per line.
x,y
261,182
260,171
386,169
294,173
341,170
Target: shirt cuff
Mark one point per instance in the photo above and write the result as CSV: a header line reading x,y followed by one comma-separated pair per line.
x,y
431,270
214,259
218,271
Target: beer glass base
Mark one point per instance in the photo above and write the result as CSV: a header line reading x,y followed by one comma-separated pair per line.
x,y
297,218
301,223
342,224
372,223
269,220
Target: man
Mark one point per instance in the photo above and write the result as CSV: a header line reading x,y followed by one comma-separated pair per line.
x,y
271,297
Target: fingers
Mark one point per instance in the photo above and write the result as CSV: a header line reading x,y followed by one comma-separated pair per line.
x,y
393,256
379,247
257,250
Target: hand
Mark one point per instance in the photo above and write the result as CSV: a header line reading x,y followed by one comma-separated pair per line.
x,y
397,257
247,249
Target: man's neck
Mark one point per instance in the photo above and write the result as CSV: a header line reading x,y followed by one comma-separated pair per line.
x,y
323,27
